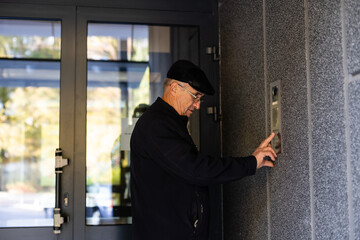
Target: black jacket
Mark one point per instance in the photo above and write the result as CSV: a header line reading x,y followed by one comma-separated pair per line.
x,y
169,177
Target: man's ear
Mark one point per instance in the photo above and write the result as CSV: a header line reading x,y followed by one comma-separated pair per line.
x,y
173,88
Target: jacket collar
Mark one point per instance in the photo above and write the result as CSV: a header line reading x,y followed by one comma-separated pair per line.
x,y
163,106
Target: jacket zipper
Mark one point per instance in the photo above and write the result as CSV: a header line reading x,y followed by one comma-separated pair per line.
x,y
199,217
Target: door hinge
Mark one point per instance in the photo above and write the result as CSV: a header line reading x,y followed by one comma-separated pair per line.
x,y
214,111
215,51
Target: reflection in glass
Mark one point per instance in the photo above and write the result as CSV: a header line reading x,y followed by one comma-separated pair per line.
x,y
29,120
118,42
30,39
126,68
110,102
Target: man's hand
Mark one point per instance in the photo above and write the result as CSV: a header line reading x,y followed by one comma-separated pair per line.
x,y
265,150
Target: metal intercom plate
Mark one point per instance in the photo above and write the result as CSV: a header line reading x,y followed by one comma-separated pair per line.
x,y
275,115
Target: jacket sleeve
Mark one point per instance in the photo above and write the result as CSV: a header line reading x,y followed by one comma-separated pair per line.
x,y
181,158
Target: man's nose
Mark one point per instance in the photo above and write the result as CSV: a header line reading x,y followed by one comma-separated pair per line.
x,y
197,104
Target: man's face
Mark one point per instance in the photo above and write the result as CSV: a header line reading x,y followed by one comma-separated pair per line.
x,y
188,100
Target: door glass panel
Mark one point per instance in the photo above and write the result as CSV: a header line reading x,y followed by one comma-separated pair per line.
x,y
29,120
127,65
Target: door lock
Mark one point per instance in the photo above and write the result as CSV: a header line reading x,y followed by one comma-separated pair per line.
x,y
66,199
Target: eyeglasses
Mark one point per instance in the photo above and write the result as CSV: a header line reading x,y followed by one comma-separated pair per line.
x,y
196,99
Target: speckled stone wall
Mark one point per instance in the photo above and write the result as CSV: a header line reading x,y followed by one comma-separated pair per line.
x,y
289,193
352,85
313,48
354,125
328,121
243,101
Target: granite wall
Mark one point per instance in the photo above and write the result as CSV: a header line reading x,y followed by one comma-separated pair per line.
x,y
313,48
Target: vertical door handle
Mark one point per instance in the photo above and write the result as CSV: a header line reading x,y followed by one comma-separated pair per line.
x,y
60,162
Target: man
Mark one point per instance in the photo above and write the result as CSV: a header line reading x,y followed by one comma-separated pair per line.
x,y
169,176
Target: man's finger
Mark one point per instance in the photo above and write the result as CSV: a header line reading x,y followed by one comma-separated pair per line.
x,y
268,164
271,150
267,140
269,155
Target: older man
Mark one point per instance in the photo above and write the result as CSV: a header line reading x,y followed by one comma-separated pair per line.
x,y
169,176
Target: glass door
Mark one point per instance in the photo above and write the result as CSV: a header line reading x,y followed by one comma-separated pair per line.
x,y
33,48
126,68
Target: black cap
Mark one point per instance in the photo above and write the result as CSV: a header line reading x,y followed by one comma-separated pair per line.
x,y
186,71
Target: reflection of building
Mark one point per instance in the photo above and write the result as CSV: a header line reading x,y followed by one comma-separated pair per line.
x,y
120,169
3,162
120,164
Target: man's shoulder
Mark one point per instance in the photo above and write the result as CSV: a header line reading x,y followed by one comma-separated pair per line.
x,y
150,119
